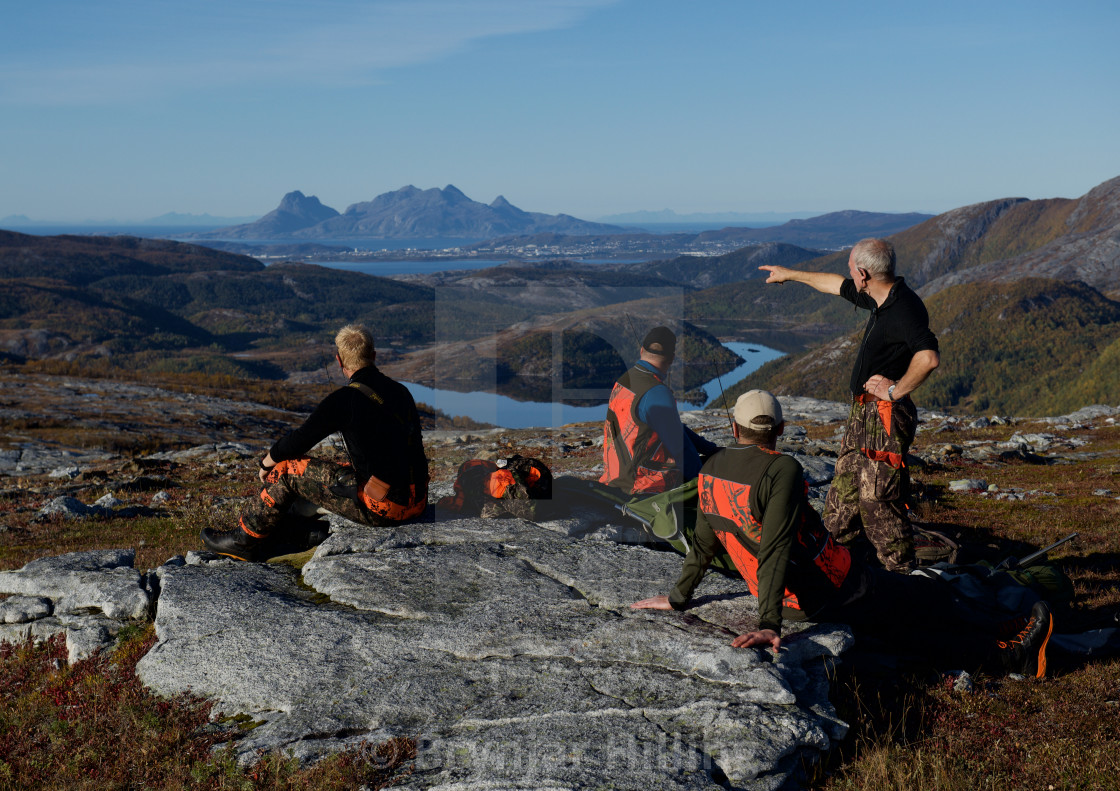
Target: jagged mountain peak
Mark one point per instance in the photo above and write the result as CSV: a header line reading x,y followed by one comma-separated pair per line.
x,y
292,198
295,202
453,193
408,212
442,213
1098,208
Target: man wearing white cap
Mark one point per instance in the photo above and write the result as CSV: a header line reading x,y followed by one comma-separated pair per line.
x,y
753,502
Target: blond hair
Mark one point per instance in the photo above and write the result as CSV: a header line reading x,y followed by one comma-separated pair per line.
x,y
876,256
355,346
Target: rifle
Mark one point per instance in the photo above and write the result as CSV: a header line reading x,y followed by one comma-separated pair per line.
x,y
726,407
1012,563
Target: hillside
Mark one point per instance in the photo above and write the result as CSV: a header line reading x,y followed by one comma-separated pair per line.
x,y
125,304
132,470
141,305
828,231
699,273
964,263
80,260
1067,240
130,302
1033,346
570,357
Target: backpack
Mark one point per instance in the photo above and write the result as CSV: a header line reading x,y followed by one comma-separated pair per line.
x,y
671,517
932,546
506,487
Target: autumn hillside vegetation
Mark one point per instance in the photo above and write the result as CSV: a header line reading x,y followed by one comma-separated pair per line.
x,y
1029,347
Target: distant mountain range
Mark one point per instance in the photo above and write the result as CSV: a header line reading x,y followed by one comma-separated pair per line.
x,y
407,213
670,217
828,231
177,218
831,231
448,214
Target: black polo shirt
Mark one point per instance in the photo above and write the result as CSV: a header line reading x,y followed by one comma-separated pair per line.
x,y
896,331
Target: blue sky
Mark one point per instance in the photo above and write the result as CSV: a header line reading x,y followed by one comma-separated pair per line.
x,y
127,109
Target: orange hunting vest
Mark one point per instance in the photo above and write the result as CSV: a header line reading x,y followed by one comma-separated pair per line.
x,y
634,458
726,501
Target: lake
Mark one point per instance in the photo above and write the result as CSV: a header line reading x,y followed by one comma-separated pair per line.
x,y
510,413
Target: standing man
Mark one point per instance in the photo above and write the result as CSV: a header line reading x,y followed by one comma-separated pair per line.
x,y
754,502
646,449
897,354
386,481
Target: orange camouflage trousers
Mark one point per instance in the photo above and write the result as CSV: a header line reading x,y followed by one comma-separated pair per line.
x,y
871,484
328,485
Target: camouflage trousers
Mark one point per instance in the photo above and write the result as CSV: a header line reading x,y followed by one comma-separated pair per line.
x,y
871,484
327,484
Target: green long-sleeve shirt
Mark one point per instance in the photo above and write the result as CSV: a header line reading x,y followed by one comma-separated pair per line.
x,y
756,499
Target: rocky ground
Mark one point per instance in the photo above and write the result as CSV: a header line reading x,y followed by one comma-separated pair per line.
x,y
506,647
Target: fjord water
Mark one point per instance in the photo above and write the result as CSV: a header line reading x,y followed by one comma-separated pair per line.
x,y
509,413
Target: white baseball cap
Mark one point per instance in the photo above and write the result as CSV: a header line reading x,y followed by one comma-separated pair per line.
x,y
755,404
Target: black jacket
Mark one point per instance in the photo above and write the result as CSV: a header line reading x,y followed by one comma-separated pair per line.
x,y
383,439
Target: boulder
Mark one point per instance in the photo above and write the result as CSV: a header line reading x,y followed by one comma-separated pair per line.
x,y
968,485
86,596
509,651
31,458
67,508
22,609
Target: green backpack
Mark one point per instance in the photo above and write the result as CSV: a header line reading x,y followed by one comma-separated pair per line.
x,y
671,517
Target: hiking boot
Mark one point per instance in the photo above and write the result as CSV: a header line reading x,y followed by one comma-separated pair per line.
x,y
297,533
1026,652
236,544
1009,628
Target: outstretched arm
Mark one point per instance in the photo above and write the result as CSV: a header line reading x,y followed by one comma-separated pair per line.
x,y
825,282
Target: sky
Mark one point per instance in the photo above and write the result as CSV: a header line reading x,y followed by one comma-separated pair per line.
x,y
128,109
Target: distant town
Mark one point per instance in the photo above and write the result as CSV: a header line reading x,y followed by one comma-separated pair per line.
x,y
612,248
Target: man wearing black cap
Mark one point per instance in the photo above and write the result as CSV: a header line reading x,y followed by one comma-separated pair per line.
x,y
753,504
898,351
646,449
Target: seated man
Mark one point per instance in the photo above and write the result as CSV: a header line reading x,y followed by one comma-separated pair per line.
x,y
386,481
753,502
646,449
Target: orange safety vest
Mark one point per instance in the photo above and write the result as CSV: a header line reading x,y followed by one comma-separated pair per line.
x,y
730,500
634,457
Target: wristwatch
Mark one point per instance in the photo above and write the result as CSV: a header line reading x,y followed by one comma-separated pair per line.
x,y
890,393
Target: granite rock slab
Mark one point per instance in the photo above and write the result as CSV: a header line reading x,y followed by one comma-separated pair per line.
x,y
87,596
506,649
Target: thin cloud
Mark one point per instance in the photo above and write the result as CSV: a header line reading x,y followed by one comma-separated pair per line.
x,y
129,52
